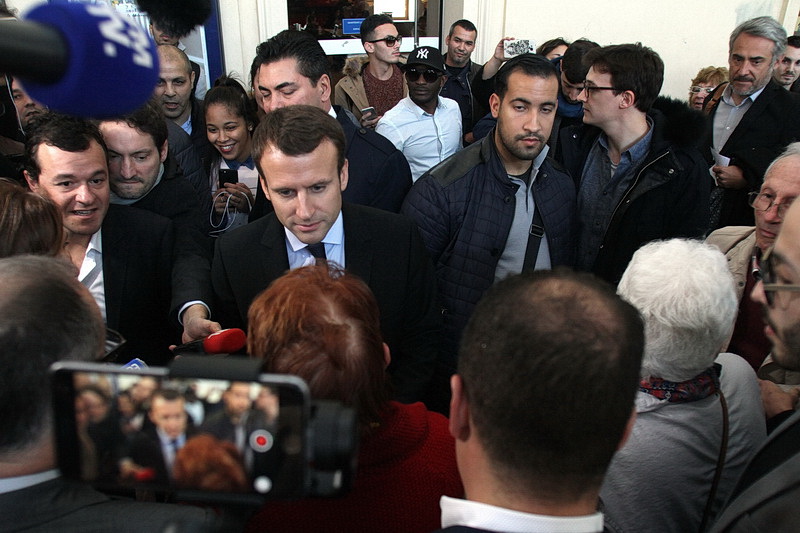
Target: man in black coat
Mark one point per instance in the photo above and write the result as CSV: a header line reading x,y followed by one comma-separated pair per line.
x,y
639,173
144,175
753,120
291,68
299,151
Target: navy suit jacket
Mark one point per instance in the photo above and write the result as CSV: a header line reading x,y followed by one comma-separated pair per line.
x,y
384,249
771,123
137,270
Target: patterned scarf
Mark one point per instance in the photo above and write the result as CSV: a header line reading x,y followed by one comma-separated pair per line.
x,y
701,386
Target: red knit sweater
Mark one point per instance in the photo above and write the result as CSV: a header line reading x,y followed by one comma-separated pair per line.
x,y
403,470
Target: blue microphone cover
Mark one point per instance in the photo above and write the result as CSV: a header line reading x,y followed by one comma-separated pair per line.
x,y
112,64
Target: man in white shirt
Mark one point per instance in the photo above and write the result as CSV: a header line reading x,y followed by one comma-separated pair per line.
x,y
124,255
532,440
424,126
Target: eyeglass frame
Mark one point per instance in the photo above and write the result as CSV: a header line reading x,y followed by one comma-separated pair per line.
x,y
708,90
424,74
764,272
386,40
781,207
590,88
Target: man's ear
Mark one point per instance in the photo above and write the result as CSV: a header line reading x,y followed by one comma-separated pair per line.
x,y
494,104
387,355
32,183
162,153
324,88
459,410
263,182
628,99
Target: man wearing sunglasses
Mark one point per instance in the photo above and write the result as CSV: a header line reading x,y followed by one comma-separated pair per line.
x,y
424,126
368,90
744,244
639,173
766,496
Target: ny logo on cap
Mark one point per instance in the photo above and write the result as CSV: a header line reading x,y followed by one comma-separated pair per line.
x,y
422,54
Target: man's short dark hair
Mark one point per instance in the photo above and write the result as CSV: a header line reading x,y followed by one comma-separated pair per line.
x,y
168,395
301,46
297,130
463,23
529,64
44,318
633,67
793,41
148,119
369,24
67,133
572,61
550,364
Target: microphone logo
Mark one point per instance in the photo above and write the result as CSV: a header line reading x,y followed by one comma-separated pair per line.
x,y
123,32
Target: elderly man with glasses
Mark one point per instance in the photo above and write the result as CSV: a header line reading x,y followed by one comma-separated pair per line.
x,y
369,89
635,160
765,498
424,126
744,246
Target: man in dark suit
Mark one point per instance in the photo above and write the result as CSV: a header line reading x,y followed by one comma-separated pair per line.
x,y
300,154
123,255
144,174
532,441
754,119
153,450
291,68
766,496
46,315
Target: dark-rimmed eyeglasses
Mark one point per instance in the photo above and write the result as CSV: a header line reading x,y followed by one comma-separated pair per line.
x,y
592,88
765,273
762,201
390,40
698,89
430,75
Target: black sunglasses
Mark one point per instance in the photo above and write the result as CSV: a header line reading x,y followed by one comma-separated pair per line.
x,y
389,40
430,75
765,273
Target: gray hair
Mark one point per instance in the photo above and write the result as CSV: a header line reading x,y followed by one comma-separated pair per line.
x,y
790,151
686,296
766,27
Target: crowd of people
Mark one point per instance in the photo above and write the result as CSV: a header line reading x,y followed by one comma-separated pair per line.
x,y
542,286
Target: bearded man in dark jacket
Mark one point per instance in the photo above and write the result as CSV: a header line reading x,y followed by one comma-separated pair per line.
x,y
476,209
637,167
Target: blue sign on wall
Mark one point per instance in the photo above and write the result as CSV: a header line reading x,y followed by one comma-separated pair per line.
x,y
351,26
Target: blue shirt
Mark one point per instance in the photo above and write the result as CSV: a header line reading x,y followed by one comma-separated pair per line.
x,y
602,189
298,253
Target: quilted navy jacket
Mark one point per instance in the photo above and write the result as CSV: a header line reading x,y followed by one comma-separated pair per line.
x,y
464,208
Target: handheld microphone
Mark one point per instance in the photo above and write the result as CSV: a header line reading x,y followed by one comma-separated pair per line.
x,y
85,60
223,341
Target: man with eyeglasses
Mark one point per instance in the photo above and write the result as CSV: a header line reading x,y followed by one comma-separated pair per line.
x,y
496,208
639,174
370,89
752,121
766,496
742,245
424,126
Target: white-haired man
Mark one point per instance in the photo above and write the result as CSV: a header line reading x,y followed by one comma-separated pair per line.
x,y
698,412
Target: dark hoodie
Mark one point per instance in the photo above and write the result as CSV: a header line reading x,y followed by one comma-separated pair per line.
x,y
669,196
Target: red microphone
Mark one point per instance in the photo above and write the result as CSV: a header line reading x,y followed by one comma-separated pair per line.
x,y
224,341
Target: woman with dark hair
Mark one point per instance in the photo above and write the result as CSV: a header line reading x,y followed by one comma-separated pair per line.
x,y
29,223
230,119
323,325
